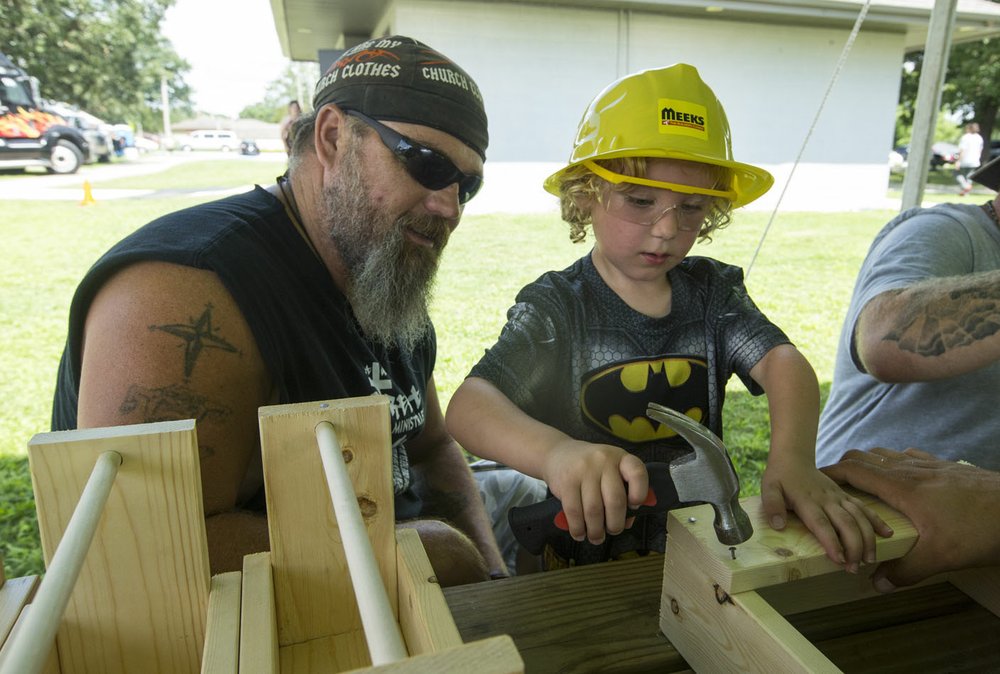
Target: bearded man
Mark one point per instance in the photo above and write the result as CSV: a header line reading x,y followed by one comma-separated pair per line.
x,y
311,289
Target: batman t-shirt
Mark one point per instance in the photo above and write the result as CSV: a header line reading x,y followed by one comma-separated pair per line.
x,y
575,356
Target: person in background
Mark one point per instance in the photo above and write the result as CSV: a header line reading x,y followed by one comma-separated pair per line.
x,y
312,288
952,506
969,156
918,361
285,127
562,394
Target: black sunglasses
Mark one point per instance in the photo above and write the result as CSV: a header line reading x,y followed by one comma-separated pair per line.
x,y
428,167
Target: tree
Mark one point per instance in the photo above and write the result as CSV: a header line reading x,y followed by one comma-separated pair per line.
x,y
295,83
972,86
970,89
105,56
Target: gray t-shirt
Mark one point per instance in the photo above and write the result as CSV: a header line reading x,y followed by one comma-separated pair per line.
x,y
954,418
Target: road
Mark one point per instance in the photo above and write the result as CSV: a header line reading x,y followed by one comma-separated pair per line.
x,y
50,187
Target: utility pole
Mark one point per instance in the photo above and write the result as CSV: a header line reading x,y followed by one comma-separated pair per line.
x,y
165,104
928,101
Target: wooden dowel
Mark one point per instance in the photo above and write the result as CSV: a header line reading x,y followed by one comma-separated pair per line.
x,y
28,653
385,643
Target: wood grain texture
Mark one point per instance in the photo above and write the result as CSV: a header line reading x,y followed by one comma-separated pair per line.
x,y
599,618
771,557
140,602
222,633
334,653
424,617
490,656
258,624
736,633
14,594
314,597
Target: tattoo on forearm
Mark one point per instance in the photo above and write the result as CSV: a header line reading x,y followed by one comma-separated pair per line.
x,y
170,403
971,315
198,334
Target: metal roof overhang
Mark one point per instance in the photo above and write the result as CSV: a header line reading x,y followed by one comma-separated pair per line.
x,y
305,27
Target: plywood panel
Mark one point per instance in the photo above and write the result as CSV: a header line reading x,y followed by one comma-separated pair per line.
x,y
141,599
314,597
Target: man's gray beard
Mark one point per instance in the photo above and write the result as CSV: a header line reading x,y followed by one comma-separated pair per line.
x,y
390,280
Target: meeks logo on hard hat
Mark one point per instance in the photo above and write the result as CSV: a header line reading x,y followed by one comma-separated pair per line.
x,y
682,117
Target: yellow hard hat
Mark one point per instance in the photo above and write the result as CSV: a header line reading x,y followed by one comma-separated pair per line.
x,y
665,113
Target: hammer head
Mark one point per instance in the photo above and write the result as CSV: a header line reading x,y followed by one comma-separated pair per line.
x,y
707,475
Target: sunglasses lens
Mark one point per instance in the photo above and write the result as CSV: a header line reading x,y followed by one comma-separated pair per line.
x,y
468,188
435,172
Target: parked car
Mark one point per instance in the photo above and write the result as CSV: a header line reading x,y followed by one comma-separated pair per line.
x,y
209,140
249,147
994,150
99,134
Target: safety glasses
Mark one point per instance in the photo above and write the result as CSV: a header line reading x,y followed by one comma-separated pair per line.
x,y
428,167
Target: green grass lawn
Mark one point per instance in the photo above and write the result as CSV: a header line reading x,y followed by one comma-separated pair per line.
x,y
802,279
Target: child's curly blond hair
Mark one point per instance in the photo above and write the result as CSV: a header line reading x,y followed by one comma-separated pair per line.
x,y
580,188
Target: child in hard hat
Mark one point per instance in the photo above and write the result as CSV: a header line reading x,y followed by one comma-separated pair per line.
x,y
562,395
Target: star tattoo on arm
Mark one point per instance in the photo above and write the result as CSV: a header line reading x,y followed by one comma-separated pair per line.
x,y
198,334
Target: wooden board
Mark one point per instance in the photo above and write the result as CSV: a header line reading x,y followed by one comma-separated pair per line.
x,y
424,618
726,614
222,635
716,632
334,653
14,594
771,557
258,625
314,596
490,656
140,602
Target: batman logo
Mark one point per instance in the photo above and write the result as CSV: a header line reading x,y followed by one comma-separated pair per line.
x,y
614,398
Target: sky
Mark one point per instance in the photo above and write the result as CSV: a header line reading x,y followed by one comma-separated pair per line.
x,y
232,47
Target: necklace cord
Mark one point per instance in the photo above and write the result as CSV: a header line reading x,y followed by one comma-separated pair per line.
x,y
293,211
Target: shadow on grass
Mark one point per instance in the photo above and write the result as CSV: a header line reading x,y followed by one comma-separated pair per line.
x,y
19,541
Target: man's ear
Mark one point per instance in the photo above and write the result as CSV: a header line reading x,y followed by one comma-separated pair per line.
x,y
329,133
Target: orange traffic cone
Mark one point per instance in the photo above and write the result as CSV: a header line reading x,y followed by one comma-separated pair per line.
x,y
88,196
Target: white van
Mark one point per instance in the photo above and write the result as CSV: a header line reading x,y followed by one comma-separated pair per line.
x,y
209,140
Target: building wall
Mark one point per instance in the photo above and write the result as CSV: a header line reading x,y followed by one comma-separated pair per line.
x,y
539,67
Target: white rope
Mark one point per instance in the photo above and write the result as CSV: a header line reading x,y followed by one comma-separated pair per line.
x,y
836,74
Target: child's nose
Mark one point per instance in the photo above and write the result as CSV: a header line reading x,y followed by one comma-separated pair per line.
x,y
666,226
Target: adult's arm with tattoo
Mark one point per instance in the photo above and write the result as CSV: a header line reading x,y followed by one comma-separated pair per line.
x,y
446,485
930,330
163,342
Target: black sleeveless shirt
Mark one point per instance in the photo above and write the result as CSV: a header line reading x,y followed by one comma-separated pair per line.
x,y
302,323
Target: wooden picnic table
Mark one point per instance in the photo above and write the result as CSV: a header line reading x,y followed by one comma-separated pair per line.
x,y
605,618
